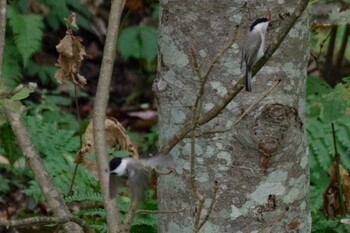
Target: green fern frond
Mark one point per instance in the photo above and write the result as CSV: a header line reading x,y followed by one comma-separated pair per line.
x,y
145,219
59,10
91,212
99,227
27,30
84,197
45,73
320,153
11,65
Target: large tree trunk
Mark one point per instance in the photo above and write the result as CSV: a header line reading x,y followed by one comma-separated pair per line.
x,y
261,163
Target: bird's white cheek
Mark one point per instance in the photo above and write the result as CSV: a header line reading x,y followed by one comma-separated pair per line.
x,y
121,169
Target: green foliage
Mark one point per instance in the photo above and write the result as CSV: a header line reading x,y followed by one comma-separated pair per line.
x,y
150,139
24,37
147,141
34,191
141,222
59,10
27,30
45,73
84,196
326,105
4,185
58,151
138,42
8,143
11,66
323,225
53,134
321,100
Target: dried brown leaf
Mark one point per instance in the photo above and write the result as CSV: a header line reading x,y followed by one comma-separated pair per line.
x,y
72,20
116,137
345,182
71,54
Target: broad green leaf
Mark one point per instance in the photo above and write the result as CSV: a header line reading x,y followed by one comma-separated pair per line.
x,y
138,42
22,94
148,45
317,86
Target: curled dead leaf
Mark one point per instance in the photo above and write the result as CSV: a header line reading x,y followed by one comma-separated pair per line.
x,y
71,54
331,199
116,137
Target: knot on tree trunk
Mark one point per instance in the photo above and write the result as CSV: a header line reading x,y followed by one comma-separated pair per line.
x,y
273,127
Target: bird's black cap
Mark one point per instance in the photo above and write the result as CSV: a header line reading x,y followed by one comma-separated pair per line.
x,y
256,22
114,163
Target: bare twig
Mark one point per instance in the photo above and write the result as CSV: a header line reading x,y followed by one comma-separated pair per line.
x,y
245,113
159,211
233,91
70,190
40,220
201,200
251,107
199,225
328,71
196,112
99,114
125,228
194,190
336,163
341,52
54,199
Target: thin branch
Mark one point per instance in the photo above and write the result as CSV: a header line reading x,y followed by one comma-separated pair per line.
x,y
160,211
233,91
336,162
54,199
328,71
245,113
251,107
43,220
99,114
125,228
70,190
210,209
342,49
194,190
199,212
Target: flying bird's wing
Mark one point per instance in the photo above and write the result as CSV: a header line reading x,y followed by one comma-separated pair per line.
x,y
159,161
138,180
115,183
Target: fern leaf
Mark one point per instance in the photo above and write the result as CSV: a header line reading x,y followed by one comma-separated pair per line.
x,y
84,197
145,219
321,154
11,65
94,211
28,32
99,227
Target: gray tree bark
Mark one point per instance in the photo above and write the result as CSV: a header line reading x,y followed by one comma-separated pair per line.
x,y
260,164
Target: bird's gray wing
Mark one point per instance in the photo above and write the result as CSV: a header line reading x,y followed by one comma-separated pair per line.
x,y
251,49
158,161
138,180
115,183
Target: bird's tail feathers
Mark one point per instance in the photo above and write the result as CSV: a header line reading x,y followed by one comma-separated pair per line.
x,y
248,78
